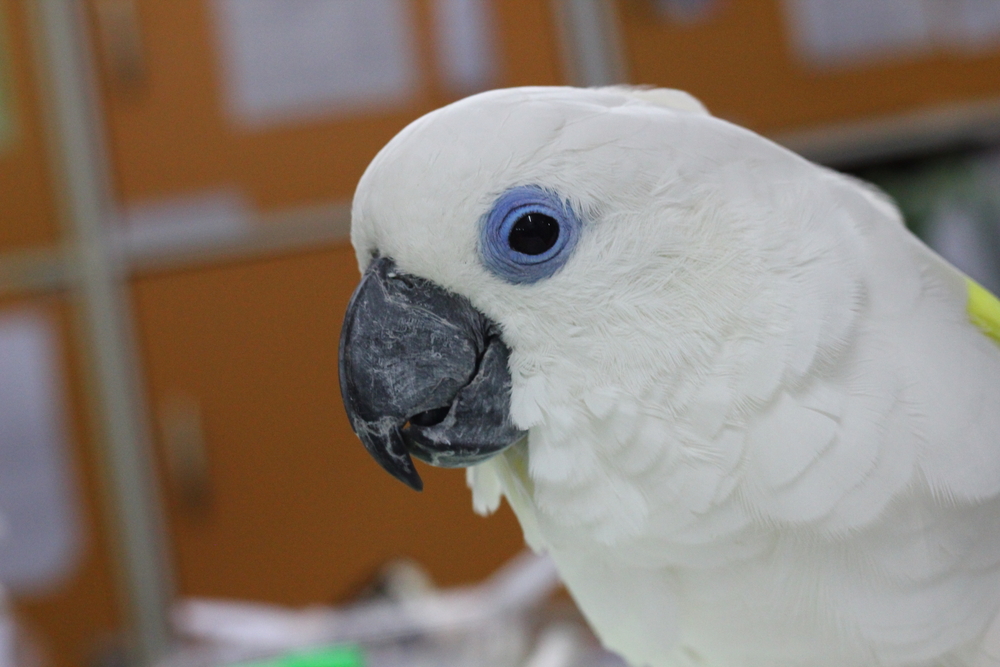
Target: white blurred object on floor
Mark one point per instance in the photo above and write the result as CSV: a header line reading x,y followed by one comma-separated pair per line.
x,y
508,620
521,584
557,646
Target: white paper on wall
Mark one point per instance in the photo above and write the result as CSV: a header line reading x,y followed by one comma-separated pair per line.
x,y
40,543
830,32
687,11
293,59
966,25
189,220
838,33
466,50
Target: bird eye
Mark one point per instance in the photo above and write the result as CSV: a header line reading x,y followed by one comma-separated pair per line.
x,y
533,233
528,235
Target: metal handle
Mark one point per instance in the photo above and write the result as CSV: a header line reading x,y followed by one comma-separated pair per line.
x,y
183,440
121,43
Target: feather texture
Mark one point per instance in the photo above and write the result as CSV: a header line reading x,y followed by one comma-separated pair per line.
x,y
761,427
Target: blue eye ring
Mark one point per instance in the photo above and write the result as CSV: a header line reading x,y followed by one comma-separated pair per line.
x,y
495,238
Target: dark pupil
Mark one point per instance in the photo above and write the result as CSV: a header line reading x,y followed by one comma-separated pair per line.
x,y
533,233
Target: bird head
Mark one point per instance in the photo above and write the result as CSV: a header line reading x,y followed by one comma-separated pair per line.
x,y
523,246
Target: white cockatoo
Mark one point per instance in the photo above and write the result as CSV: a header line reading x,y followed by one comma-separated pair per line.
x,y
753,420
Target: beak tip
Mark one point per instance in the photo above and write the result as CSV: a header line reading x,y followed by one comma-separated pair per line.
x,y
413,481
406,473
390,452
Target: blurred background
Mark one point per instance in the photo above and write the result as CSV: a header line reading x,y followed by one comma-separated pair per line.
x,y
175,180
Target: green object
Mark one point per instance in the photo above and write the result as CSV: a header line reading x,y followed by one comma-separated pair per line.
x,y
921,186
340,656
6,110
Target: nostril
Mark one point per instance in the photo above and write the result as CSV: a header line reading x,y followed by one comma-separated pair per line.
x,y
431,417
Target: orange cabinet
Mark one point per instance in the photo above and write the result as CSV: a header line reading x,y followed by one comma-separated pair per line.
x,y
269,494
171,133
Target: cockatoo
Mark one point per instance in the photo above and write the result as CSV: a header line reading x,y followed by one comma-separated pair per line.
x,y
752,419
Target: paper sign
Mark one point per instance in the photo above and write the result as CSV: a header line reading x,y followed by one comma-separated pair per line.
x,y
190,220
967,25
464,37
687,11
288,60
40,538
850,32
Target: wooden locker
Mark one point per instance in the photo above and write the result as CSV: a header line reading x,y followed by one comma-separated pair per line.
x,y
170,134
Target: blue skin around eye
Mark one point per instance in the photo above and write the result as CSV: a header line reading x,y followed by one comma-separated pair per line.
x,y
517,267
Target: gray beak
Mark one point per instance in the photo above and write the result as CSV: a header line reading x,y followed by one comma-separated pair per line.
x,y
422,372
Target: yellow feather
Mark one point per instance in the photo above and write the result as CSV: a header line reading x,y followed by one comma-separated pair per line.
x,y
984,309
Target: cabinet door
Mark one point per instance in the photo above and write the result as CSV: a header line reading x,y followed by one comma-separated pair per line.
x,y
741,61
169,90
288,506
68,603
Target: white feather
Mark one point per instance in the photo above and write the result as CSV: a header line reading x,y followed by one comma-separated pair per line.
x,y
762,430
